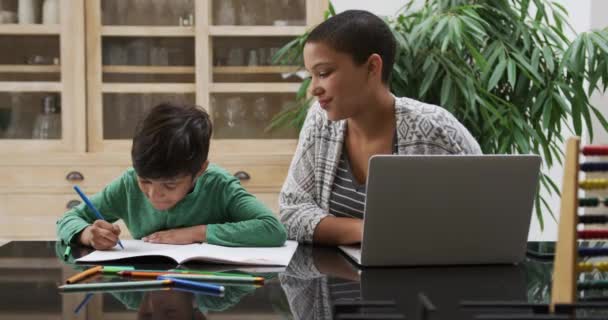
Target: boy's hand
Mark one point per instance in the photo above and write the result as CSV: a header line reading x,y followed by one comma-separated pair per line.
x,y
101,235
195,234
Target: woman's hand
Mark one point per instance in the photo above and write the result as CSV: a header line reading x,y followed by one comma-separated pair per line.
x,y
101,235
194,234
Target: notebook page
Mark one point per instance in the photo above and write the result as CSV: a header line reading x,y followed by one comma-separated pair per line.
x,y
138,248
270,256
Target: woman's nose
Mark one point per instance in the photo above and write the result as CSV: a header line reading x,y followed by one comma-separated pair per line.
x,y
316,91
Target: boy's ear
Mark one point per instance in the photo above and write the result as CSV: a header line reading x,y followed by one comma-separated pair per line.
x,y
203,169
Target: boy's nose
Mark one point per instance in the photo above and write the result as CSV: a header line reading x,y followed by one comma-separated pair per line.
x,y
155,193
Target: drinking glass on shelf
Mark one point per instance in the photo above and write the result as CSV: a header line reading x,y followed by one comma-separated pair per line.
x,y
235,57
261,109
29,11
234,111
138,54
226,13
263,56
48,122
247,13
159,56
271,52
159,13
122,9
252,59
220,56
50,12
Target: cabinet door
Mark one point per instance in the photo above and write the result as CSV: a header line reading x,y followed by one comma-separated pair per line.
x,y
41,97
246,89
140,53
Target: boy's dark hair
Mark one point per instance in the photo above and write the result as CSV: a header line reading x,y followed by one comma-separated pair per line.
x,y
171,140
360,34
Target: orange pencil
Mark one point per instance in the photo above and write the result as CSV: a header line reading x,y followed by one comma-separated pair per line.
x,y
89,272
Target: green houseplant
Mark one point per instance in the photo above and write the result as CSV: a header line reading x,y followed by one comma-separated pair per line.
x,y
505,68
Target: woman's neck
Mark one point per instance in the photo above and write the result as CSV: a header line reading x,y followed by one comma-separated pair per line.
x,y
375,119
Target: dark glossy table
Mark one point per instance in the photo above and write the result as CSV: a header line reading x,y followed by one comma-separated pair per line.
x,y
320,283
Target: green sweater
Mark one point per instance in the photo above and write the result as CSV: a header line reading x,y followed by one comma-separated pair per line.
x,y
233,216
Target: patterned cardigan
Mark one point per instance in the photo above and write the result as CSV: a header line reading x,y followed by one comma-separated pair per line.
x,y
304,199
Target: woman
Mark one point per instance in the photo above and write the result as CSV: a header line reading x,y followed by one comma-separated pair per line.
x,y
350,57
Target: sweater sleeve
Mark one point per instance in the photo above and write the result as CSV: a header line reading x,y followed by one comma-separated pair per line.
x,y
108,202
251,223
298,210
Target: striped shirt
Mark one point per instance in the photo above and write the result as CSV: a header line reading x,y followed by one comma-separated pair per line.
x,y
304,199
347,197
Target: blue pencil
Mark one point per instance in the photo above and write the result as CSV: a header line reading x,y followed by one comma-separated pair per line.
x,y
194,285
92,207
83,303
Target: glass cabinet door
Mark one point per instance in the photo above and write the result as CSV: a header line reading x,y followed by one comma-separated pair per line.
x,y
215,53
122,111
247,89
38,93
248,115
30,115
147,12
259,12
146,56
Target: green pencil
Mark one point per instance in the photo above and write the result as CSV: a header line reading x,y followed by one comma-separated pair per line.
x,y
219,273
67,252
116,269
115,285
214,278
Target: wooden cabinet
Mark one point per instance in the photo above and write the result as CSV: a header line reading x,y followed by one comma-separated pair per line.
x,y
89,89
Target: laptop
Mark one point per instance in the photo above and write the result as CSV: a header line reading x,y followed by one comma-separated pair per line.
x,y
447,210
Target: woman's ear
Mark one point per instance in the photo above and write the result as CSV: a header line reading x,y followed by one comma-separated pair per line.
x,y
374,66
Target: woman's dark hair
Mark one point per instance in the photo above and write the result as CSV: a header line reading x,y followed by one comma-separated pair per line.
x,y
172,140
360,34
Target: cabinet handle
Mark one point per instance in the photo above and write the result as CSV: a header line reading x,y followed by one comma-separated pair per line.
x,y
242,175
74,176
72,203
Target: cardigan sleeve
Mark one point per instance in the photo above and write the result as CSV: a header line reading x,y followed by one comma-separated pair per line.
x,y
298,208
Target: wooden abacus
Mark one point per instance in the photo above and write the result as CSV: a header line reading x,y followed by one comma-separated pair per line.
x,y
566,264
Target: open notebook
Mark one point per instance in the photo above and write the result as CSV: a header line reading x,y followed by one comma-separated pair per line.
x,y
268,256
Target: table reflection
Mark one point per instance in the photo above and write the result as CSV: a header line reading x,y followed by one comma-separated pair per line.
x,y
318,282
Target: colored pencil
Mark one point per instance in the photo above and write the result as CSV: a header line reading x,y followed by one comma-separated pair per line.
x,y
219,273
108,286
208,287
226,274
92,207
67,252
197,277
87,273
83,303
116,269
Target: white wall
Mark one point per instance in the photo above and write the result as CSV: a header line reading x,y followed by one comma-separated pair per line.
x,y
381,7
584,15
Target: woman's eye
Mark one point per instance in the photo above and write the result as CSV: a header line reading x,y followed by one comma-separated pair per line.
x,y
170,186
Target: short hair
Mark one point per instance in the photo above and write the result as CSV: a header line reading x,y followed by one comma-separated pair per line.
x,y
171,140
359,34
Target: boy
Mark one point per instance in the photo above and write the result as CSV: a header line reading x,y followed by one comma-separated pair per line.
x,y
172,195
